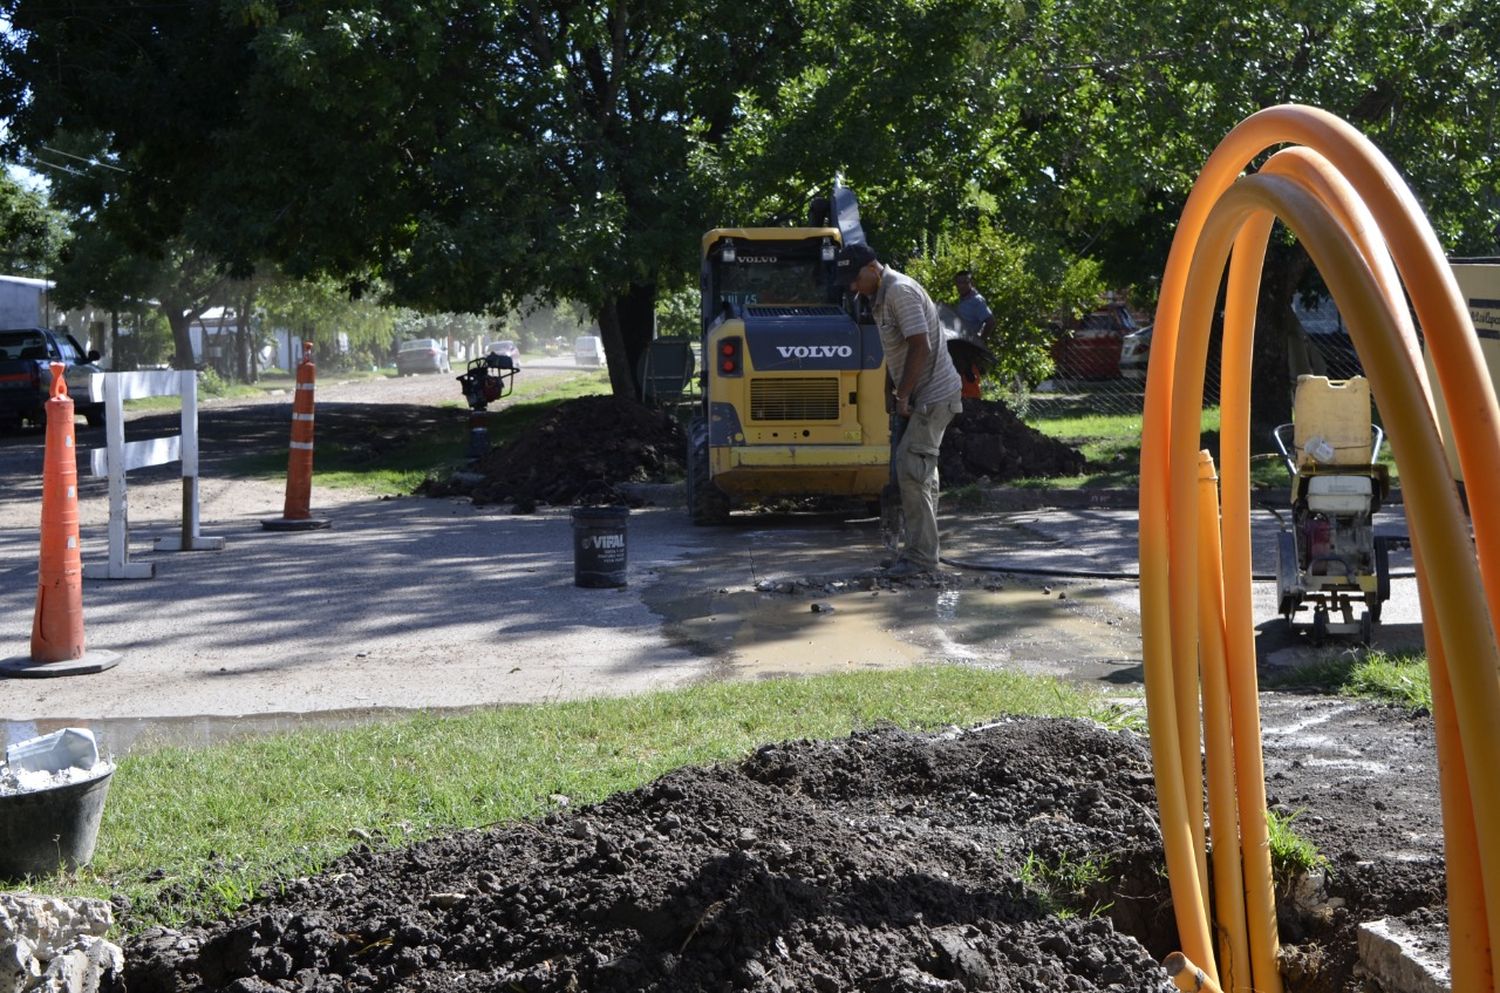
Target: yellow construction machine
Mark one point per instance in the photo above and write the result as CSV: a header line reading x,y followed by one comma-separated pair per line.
x,y
793,398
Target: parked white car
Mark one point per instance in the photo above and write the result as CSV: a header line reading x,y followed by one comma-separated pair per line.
x,y
588,351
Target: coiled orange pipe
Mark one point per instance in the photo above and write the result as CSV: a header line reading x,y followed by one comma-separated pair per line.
x,y
1346,203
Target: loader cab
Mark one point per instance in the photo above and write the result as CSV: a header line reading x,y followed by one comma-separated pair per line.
x,y
777,268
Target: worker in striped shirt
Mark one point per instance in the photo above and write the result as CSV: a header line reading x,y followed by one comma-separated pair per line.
x,y
925,387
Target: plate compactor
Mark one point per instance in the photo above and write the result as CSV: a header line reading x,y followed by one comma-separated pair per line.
x,y
1329,560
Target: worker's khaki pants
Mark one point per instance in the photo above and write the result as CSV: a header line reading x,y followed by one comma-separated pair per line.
x,y
917,476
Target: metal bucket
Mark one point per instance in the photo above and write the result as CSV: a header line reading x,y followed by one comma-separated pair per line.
x,y
46,830
599,546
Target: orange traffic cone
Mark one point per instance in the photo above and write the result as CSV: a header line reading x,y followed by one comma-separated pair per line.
x,y
57,647
295,513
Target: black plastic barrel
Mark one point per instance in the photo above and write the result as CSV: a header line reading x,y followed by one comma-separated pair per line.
x,y
599,546
50,829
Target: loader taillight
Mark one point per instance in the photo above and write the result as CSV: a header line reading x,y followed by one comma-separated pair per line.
x,y
729,357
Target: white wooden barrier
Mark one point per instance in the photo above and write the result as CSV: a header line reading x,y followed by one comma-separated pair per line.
x,y
120,456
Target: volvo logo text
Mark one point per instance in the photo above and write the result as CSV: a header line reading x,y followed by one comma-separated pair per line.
x,y
815,351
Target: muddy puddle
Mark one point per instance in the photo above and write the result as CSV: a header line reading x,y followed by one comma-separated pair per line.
x,y
1077,632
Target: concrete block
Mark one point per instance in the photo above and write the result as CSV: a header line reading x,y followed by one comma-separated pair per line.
x,y
1401,960
48,945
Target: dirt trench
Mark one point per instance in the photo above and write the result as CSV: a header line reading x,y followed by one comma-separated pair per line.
x,y
1018,856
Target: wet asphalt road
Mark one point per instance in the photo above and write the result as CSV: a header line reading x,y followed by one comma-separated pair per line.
x,y
434,604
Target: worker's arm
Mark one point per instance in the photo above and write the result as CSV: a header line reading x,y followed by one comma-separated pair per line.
x,y
987,329
917,351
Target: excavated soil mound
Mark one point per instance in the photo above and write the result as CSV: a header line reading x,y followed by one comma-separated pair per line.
x,y
988,441
577,452
583,448
883,863
1019,857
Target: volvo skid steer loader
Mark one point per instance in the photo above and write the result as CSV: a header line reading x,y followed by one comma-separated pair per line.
x,y
793,383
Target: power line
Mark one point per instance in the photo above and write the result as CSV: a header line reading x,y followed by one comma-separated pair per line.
x,y
60,168
91,160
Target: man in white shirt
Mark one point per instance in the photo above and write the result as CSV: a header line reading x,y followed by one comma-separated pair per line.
x,y
926,388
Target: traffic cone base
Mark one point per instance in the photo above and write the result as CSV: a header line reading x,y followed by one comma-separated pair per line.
x,y
294,523
94,660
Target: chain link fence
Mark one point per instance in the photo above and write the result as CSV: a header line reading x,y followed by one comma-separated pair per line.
x,y
1102,371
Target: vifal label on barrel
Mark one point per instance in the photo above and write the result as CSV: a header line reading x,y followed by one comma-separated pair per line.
x,y
608,547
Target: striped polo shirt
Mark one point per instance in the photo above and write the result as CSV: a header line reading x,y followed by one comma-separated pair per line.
x,y
902,310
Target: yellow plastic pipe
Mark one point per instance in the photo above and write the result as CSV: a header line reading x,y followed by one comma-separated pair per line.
x,y
1454,349
1455,355
1223,807
1434,512
1470,964
1471,967
1234,440
1187,977
1180,847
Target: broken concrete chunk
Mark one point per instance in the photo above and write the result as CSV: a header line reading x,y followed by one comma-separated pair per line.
x,y
1402,961
50,945
52,924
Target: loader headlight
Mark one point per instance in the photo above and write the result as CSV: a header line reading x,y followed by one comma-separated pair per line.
x,y
829,252
727,253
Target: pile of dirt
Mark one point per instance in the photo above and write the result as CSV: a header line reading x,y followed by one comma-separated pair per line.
x,y
584,448
989,442
1022,855
887,862
577,453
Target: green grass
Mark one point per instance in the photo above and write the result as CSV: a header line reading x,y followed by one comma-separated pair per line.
x,y
194,832
1110,442
1291,854
1063,886
401,468
1112,445
1402,680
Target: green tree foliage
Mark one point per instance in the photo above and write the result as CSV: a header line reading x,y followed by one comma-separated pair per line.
x,y
471,154
135,95
320,311
678,314
32,233
468,154
1117,108
901,99
1025,285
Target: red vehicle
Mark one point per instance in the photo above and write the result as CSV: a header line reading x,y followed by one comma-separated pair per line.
x,y
1089,348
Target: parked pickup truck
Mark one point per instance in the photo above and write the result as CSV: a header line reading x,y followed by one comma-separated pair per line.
x,y
26,357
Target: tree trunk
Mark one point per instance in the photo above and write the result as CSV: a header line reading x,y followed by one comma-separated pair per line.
x,y
627,323
1278,342
114,339
182,341
244,357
